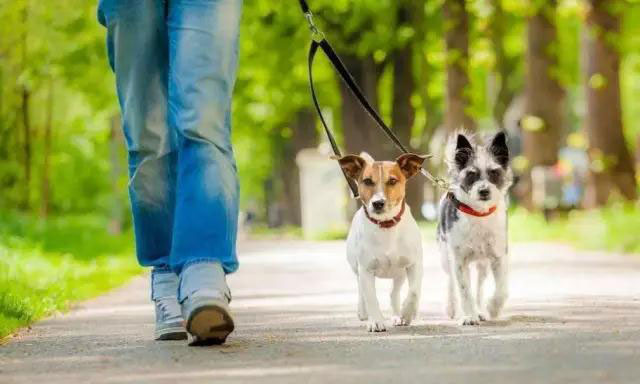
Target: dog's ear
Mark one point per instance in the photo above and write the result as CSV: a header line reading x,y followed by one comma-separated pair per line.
x,y
367,157
463,151
410,163
499,149
352,165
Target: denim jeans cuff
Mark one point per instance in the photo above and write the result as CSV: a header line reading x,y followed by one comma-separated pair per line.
x,y
164,283
203,276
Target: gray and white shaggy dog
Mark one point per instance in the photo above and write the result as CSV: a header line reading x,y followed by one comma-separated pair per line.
x,y
472,224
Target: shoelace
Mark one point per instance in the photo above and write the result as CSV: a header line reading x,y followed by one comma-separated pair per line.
x,y
166,310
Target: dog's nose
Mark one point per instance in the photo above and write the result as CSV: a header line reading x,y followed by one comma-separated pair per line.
x,y
378,204
484,193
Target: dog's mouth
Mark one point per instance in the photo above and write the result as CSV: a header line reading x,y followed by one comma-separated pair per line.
x,y
484,198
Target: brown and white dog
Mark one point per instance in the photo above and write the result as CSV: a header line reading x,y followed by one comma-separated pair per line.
x,y
384,240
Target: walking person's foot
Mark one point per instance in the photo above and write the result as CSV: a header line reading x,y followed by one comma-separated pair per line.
x,y
164,293
205,303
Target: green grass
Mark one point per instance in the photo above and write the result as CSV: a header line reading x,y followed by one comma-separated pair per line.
x,y
45,266
613,228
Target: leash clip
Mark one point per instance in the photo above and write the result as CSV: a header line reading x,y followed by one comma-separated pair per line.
x,y
442,183
437,181
316,34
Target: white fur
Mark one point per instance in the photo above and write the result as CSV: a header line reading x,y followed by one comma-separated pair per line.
x,y
481,241
391,253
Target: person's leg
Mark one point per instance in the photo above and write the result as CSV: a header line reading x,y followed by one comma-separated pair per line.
x,y
138,54
202,63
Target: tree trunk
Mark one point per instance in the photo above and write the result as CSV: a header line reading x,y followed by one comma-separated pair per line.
x,y
26,132
542,121
360,132
304,135
430,103
457,46
505,65
612,166
45,197
402,114
26,123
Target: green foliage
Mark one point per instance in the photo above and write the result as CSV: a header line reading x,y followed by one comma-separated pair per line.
x,y
46,266
605,229
630,72
62,48
608,228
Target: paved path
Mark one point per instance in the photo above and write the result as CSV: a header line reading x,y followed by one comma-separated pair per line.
x,y
573,317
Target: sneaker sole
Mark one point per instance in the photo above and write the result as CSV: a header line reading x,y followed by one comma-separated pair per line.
x,y
173,333
209,325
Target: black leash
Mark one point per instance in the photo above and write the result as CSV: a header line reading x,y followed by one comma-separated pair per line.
x,y
319,41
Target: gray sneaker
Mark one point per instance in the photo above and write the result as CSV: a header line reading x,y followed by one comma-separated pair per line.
x,y
205,298
169,321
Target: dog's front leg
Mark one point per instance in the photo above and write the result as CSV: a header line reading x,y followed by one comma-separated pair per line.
x,y
482,268
367,283
499,266
469,309
362,306
410,305
398,282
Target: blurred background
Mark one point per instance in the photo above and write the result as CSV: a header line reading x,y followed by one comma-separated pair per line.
x,y
561,77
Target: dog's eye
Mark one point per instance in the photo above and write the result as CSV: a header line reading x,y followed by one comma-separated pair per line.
x,y
494,174
368,182
392,182
471,177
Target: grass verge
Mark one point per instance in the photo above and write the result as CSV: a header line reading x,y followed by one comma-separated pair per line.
x,y
45,266
613,228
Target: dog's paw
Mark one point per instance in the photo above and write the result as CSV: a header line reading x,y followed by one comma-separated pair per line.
x,y
409,308
450,310
495,306
400,321
362,311
376,326
470,320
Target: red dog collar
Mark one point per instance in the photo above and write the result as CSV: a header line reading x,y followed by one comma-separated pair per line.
x,y
386,223
467,209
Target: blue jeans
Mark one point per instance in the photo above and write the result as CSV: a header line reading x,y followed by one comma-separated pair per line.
x,y
175,63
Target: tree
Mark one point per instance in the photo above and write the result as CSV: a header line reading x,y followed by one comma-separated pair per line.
x,y
612,166
24,108
506,62
543,120
300,135
363,35
45,194
404,86
359,130
456,36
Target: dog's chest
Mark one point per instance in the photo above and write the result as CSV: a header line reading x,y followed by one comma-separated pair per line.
x,y
479,237
387,254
